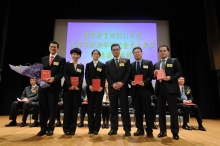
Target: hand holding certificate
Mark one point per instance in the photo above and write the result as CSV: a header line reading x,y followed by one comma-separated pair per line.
x,y
74,81
96,84
45,75
138,79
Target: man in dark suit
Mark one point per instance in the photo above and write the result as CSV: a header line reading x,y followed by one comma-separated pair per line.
x,y
118,73
167,90
48,97
141,92
28,100
183,99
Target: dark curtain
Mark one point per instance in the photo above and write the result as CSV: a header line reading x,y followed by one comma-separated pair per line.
x,y
29,34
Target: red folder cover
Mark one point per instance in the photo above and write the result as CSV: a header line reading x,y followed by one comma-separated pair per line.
x,y
161,74
138,79
190,104
96,84
45,74
74,81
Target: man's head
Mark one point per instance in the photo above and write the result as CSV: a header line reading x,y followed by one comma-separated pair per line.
x,y
163,51
137,52
33,81
53,47
181,81
115,48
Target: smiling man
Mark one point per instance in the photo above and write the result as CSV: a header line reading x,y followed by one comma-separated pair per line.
x,y
49,97
167,90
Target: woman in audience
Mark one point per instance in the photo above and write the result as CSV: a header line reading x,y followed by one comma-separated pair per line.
x,y
105,107
73,74
95,80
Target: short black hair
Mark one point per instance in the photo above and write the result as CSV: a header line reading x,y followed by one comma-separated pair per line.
x,y
97,51
168,49
54,42
115,45
136,48
76,50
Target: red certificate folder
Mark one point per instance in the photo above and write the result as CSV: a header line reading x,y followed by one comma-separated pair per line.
x,y
45,74
96,83
190,104
138,79
161,74
74,81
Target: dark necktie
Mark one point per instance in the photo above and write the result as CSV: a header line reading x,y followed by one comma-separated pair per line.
x,y
116,63
138,68
163,64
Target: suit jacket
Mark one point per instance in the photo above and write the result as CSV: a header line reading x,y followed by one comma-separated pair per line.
x,y
27,93
93,72
122,74
172,69
56,71
147,71
188,94
70,71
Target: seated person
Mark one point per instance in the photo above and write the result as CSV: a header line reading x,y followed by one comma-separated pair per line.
x,y
154,110
59,107
28,100
186,97
84,106
105,107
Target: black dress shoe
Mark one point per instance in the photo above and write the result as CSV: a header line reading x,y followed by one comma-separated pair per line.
x,y
112,132
69,133
90,132
80,124
49,133
186,127
103,126
58,124
162,134
23,124
202,128
176,137
154,126
106,126
41,133
127,133
139,132
150,135
12,123
95,132
35,124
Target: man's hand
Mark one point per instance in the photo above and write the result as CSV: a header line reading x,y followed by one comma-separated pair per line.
x,y
71,88
120,84
187,101
167,78
50,80
100,89
155,72
76,88
141,84
133,84
25,99
91,88
115,86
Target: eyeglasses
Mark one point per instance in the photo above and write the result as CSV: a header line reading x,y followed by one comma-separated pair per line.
x,y
114,50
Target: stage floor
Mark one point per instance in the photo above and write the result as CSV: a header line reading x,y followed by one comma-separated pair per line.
x,y
10,136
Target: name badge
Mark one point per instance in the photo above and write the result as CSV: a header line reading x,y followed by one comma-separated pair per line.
x,y
169,65
121,64
99,69
78,70
145,66
56,63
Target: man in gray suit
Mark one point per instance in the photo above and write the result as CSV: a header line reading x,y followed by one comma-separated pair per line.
x,y
28,100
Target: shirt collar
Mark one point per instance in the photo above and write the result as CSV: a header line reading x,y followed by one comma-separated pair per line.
x,y
95,62
164,59
117,58
72,62
53,55
138,60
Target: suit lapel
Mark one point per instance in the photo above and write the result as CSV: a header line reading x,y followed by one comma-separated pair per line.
x,y
142,64
47,61
112,64
169,61
134,67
